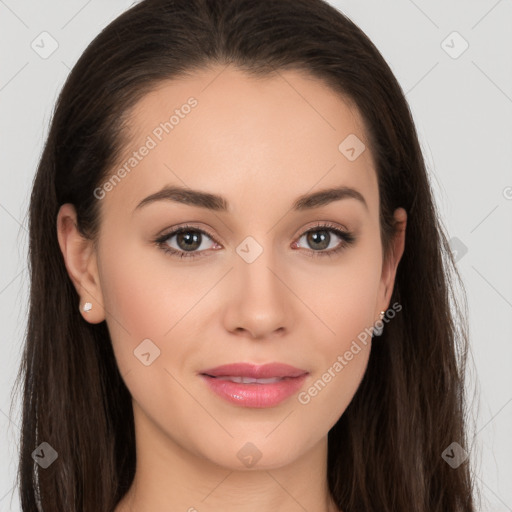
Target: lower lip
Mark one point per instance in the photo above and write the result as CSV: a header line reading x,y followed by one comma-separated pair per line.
x,y
255,395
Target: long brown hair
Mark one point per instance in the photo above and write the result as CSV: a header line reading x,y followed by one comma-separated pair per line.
x,y
385,452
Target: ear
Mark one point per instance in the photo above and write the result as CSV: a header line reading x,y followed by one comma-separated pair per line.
x,y
390,266
81,263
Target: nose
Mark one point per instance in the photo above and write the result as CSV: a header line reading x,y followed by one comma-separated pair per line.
x,y
260,304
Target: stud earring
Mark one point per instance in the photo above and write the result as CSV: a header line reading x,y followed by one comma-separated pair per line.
x,y
377,330
87,307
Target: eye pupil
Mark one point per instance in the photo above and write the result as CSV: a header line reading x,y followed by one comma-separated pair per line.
x,y
315,239
192,240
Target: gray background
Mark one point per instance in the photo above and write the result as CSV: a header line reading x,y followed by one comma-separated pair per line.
x,y
462,105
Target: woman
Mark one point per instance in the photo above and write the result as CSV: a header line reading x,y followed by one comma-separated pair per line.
x,y
240,285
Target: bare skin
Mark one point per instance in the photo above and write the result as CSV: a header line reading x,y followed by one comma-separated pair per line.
x,y
261,144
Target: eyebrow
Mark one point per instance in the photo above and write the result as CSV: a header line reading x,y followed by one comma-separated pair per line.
x,y
218,203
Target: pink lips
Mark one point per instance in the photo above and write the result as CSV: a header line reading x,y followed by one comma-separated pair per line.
x,y
259,395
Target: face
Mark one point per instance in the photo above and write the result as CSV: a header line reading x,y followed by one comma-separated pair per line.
x,y
262,275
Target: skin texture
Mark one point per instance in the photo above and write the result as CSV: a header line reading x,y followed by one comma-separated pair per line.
x,y
261,143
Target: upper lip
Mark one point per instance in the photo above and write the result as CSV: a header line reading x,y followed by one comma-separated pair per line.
x,y
263,371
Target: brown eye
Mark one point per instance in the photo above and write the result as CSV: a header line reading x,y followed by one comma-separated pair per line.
x,y
322,240
189,242
318,239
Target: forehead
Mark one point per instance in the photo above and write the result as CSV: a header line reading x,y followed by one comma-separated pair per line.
x,y
222,130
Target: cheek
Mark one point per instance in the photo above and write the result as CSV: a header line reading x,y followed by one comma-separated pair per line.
x,y
341,357
345,296
348,307
152,305
141,301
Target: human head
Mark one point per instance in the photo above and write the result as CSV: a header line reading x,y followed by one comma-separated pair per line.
x,y
90,134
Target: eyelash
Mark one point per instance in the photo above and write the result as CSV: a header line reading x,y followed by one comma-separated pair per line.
x,y
347,237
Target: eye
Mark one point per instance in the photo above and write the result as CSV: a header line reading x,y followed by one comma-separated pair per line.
x,y
322,242
189,240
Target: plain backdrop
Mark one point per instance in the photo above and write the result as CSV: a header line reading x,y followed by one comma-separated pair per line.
x,y
453,60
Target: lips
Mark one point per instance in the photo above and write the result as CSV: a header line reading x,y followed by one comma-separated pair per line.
x,y
250,373
249,385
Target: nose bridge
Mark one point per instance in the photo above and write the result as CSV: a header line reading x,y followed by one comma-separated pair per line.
x,y
258,303
256,267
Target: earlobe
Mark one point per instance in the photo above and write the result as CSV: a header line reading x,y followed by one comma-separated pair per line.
x,y
80,261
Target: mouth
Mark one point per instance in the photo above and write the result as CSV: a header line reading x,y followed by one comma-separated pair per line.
x,y
248,385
